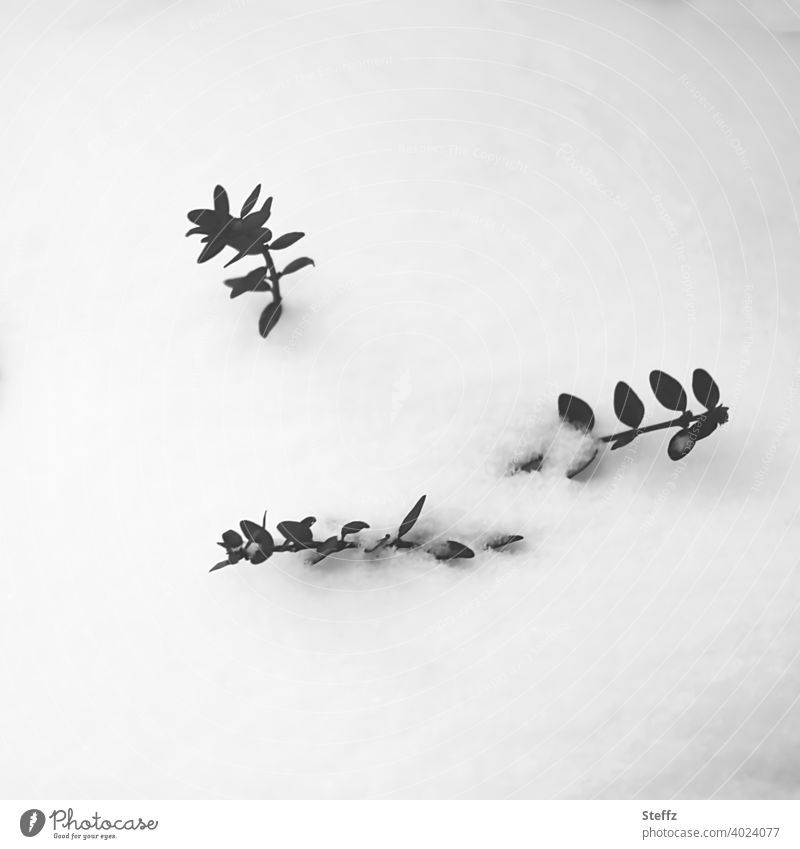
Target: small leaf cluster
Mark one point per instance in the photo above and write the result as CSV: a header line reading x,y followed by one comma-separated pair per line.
x,y
630,410
256,544
248,235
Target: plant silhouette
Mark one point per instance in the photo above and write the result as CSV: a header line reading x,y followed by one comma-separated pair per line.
x,y
629,409
248,236
256,544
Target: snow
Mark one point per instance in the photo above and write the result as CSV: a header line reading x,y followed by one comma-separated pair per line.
x,y
505,202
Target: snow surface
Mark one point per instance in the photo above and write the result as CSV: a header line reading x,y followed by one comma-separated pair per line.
x,y
505,200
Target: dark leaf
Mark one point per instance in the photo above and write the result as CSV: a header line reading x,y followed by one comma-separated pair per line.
x,y
296,532
627,405
703,427
353,528
296,265
501,542
260,218
259,535
243,252
201,216
259,557
680,444
669,392
220,565
330,546
452,550
255,281
705,389
251,200
230,539
221,204
308,521
533,465
211,249
269,318
195,230
580,466
622,441
411,519
575,411
246,243
285,241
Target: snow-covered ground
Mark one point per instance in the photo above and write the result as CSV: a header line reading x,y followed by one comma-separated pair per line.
x,y
505,201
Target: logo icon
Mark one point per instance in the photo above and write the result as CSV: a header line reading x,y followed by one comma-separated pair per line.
x,y
31,822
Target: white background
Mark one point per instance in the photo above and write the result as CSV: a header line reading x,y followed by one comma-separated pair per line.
x,y
505,200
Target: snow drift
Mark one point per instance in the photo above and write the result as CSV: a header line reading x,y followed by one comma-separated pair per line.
x,y
504,202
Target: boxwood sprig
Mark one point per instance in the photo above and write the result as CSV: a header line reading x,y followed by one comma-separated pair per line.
x,y
629,409
256,544
248,235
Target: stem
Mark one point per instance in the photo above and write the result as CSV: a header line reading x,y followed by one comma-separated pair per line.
x,y
313,545
686,419
274,279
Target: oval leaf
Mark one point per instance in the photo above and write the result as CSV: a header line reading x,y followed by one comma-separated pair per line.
x,y
260,218
533,465
201,216
581,465
269,318
296,265
411,519
253,532
230,539
353,528
247,243
255,281
703,427
452,550
296,532
240,255
501,542
221,203
627,405
251,201
669,392
285,241
330,545
705,389
575,411
680,444
211,249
